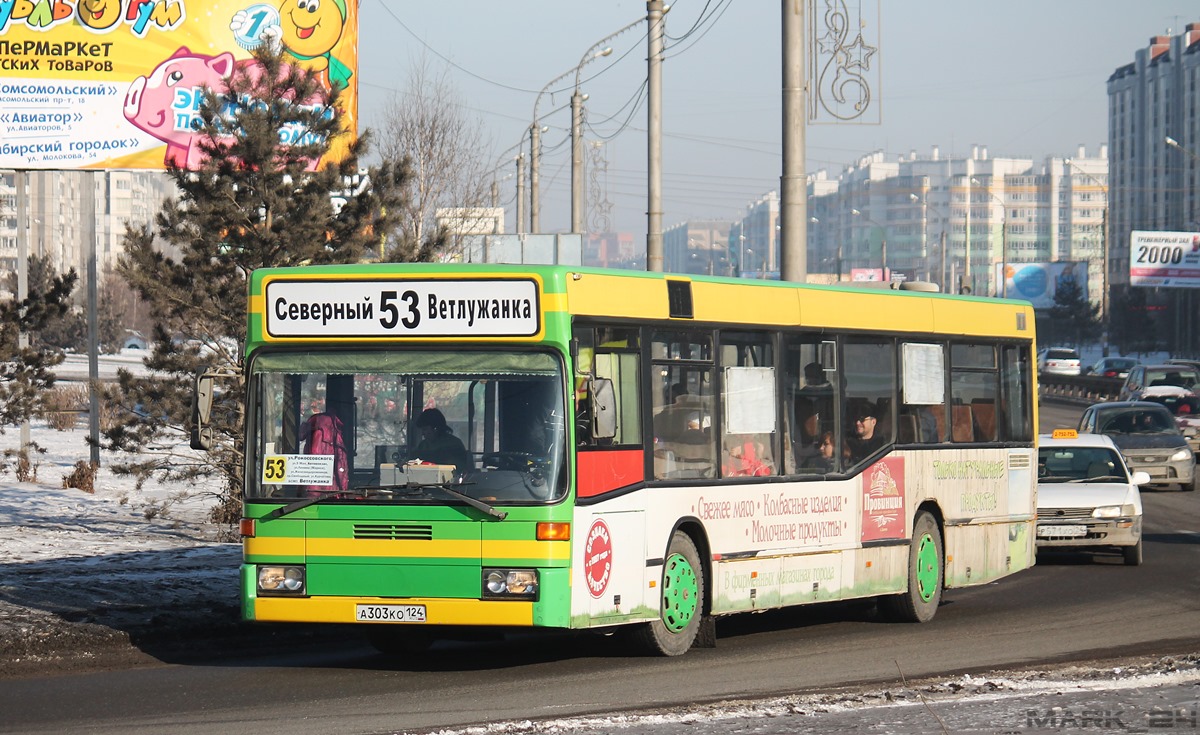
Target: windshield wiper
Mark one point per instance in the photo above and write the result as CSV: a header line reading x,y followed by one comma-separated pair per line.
x,y
361,492
303,503
473,502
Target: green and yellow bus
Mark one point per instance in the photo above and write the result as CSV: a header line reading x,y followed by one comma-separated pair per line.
x,y
436,450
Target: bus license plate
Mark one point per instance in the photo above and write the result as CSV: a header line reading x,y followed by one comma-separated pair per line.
x,y
390,613
1062,531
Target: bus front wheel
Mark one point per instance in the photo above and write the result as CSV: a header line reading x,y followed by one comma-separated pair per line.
x,y
925,575
681,602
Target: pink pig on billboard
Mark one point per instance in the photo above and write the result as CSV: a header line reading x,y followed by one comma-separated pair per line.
x,y
164,104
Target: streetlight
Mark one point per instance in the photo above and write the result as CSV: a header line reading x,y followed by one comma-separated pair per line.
x,y
535,140
1183,329
966,282
1003,240
1104,251
1175,144
882,242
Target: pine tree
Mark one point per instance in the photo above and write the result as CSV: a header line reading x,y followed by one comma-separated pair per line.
x,y
26,372
252,203
1076,319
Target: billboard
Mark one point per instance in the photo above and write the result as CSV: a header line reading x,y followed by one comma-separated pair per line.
x,y
1164,259
115,83
1038,282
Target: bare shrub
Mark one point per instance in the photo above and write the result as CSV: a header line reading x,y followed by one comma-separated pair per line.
x,y
62,406
26,468
82,477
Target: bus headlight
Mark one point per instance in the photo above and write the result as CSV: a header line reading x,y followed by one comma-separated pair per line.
x,y
281,580
510,584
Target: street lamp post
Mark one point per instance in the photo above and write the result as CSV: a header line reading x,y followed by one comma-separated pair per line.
x,y
882,242
967,280
1003,285
535,140
1103,254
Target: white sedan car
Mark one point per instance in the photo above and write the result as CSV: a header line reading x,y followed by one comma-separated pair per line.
x,y
1086,497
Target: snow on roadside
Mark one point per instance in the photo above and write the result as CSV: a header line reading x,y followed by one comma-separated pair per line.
x,y
113,564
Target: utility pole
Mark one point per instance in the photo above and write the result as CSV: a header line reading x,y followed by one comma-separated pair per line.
x,y
22,271
535,148
520,193
93,299
577,161
793,186
654,241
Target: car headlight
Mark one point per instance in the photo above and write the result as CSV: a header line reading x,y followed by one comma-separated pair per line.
x,y
510,584
1181,455
1113,511
281,580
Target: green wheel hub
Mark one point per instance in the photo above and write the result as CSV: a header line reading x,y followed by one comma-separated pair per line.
x,y
680,593
928,571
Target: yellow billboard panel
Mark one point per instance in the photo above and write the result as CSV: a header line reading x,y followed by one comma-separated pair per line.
x,y
116,83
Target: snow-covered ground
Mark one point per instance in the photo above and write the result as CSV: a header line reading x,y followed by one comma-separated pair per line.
x,y
79,569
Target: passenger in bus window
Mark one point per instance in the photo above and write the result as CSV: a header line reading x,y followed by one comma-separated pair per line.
x,y
438,443
865,438
823,460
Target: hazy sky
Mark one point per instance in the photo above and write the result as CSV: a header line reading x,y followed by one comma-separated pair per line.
x,y
1024,78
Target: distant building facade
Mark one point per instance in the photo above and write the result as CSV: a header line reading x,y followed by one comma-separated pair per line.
x,y
1155,185
64,209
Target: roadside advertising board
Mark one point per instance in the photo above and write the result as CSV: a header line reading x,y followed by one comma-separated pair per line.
x,y
1037,283
104,84
1164,259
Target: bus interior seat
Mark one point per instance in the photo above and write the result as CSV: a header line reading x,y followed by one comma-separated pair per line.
x,y
962,425
985,419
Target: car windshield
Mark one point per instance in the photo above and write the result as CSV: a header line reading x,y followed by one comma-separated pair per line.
x,y
1138,421
380,426
1178,377
1079,464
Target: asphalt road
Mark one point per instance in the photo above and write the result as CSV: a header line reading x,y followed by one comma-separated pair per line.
x,y
1069,607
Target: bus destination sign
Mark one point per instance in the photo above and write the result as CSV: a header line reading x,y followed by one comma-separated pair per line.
x,y
402,308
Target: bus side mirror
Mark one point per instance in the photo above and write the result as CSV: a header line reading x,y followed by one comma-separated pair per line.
x,y
604,408
202,403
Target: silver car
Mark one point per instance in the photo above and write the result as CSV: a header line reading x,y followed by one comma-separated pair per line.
x,y
1059,361
1148,437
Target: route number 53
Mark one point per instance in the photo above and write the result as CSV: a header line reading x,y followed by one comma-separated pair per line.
x,y
390,311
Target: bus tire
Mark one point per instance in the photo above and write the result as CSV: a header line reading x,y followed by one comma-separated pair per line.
x,y
681,604
925,575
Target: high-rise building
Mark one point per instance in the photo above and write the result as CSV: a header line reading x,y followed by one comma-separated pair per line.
x,y
1154,164
64,209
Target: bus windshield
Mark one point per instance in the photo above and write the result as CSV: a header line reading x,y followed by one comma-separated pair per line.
x,y
380,426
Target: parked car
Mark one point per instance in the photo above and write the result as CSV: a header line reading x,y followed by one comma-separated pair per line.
x,y
1087,498
1111,367
1148,437
1059,361
1143,379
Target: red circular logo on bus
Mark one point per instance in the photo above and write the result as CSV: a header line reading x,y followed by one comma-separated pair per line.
x,y
597,558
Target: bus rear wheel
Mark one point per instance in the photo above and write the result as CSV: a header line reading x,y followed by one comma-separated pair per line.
x,y
925,575
681,604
